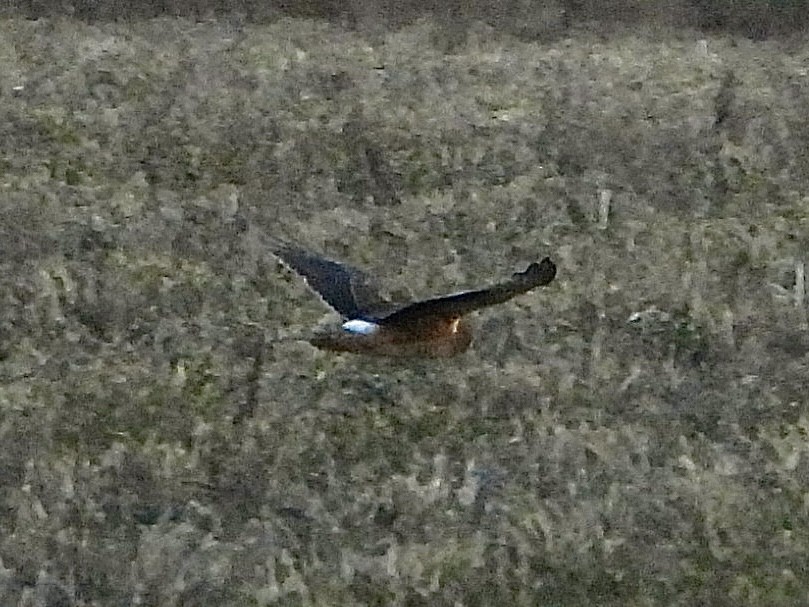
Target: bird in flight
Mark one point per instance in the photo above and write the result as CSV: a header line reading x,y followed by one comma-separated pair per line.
x,y
433,328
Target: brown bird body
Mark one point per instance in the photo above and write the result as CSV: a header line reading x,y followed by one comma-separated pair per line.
x,y
433,328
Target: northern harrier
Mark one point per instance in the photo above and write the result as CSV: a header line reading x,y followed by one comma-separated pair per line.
x,y
430,328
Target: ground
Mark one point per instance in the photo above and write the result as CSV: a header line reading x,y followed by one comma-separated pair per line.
x,y
633,434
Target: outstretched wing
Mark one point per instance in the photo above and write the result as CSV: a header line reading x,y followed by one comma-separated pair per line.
x,y
345,288
455,306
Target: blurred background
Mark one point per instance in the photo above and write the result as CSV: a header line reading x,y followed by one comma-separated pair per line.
x,y
634,433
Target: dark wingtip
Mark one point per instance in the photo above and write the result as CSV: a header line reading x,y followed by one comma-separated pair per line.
x,y
539,274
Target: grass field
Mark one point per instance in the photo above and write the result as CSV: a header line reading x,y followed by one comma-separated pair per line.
x,y
633,434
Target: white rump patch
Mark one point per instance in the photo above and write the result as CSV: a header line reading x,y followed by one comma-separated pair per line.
x,y
363,327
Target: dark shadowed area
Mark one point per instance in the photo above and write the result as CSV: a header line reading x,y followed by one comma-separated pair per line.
x,y
634,433
526,19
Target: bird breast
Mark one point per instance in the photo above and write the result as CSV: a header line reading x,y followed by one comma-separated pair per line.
x,y
438,339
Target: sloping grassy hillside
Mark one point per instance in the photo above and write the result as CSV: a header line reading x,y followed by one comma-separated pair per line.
x,y
633,434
